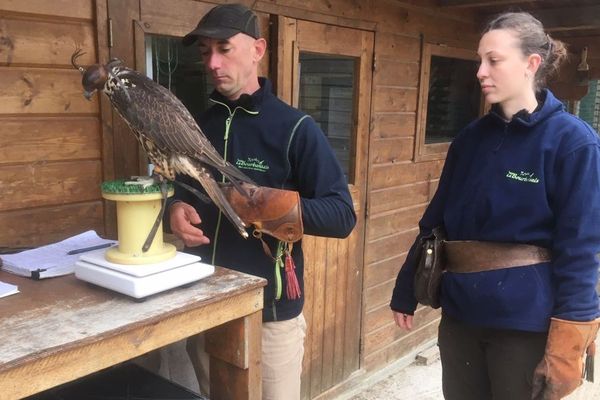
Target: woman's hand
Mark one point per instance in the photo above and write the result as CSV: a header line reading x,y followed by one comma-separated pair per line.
x,y
404,321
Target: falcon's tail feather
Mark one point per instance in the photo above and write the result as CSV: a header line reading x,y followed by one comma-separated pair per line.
x,y
228,170
238,186
232,173
214,192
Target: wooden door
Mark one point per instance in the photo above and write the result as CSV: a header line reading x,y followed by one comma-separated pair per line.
x,y
326,71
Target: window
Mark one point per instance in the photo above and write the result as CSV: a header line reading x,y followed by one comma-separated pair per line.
x,y
180,70
588,108
449,98
327,94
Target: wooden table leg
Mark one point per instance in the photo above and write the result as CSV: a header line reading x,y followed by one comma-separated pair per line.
x,y
235,351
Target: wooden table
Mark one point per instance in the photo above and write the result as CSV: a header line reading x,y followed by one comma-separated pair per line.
x,y
60,329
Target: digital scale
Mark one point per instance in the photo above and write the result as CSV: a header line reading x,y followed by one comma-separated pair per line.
x,y
126,268
143,280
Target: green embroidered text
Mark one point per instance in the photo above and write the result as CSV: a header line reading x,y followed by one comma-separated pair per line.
x,y
252,163
523,176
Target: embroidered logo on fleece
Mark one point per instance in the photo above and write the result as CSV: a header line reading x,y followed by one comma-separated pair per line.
x,y
253,164
523,176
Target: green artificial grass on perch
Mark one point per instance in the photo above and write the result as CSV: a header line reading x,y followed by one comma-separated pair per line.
x,y
119,187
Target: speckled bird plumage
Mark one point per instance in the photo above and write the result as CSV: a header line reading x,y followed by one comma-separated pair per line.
x,y
174,142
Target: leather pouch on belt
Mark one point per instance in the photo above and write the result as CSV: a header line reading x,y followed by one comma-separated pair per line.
x,y
275,212
430,267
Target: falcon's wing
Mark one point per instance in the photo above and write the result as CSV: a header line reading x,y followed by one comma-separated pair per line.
x,y
158,115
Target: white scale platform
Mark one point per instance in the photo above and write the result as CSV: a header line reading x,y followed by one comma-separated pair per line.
x,y
141,280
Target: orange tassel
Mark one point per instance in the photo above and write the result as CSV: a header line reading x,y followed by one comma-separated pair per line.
x,y
292,287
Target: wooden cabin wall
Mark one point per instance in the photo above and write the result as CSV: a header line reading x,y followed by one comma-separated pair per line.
x,y
50,135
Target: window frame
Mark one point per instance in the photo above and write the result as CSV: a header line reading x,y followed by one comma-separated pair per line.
x,y
435,151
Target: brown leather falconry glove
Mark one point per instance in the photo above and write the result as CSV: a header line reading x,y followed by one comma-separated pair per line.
x,y
275,212
562,369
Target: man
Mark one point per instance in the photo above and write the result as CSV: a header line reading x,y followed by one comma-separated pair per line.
x,y
276,146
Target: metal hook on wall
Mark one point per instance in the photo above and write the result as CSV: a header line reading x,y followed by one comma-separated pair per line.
x,y
583,65
583,69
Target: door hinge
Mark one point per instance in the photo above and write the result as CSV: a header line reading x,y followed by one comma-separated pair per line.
x,y
374,64
110,33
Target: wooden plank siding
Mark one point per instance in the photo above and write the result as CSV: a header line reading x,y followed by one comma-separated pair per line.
x,y
29,226
50,137
29,41
62,9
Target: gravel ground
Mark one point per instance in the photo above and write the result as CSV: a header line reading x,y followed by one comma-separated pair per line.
x,y
415,382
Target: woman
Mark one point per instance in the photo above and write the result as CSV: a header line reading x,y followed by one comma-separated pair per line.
x,y
526,175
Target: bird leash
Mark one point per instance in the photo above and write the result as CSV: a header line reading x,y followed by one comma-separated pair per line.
x,y
283,260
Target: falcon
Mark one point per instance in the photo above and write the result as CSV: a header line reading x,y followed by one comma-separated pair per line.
x,y
168,133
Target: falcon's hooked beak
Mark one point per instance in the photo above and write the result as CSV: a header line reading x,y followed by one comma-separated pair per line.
x,y
89,95
94,76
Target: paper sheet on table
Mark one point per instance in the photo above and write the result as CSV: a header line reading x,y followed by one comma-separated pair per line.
x,y
51,260
6,289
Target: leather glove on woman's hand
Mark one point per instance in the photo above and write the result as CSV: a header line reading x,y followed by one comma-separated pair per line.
x,y
561,370
275,212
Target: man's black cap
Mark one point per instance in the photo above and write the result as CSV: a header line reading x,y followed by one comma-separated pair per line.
x,y
224,21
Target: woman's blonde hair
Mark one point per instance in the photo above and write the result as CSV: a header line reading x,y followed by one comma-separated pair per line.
x,y
534,40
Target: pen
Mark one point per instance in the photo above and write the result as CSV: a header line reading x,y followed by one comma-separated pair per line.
x,y
83,250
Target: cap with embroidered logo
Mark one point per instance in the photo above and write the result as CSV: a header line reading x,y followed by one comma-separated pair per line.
x,y
224,21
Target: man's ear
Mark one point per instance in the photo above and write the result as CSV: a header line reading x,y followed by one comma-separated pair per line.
x,y
260,47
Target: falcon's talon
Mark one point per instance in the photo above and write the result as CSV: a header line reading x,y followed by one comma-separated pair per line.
x,y
143,181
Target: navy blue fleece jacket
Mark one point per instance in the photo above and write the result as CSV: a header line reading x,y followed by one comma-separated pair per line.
x,y
277,146
534,180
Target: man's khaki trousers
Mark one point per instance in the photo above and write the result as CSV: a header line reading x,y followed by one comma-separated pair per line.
x,y
282,352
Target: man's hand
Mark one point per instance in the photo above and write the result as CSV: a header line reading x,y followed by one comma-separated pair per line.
x,y
183,217
404,321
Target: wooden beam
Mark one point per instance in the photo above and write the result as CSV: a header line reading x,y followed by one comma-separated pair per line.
x,y
235,349
569,18
554,19
480,3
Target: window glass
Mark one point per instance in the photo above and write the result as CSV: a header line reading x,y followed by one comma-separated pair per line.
x,y
454,98
327,94
180,70
589,105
